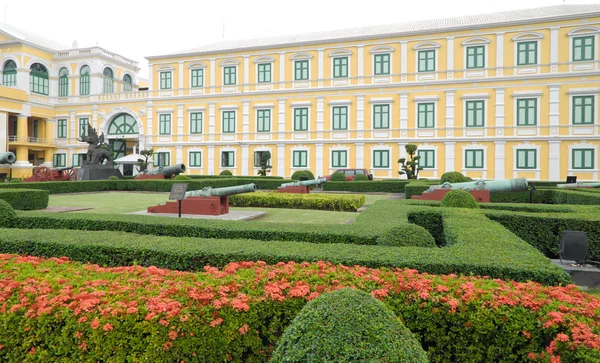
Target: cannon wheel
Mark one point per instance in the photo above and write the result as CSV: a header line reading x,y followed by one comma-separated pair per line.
x,y
43,173
72,174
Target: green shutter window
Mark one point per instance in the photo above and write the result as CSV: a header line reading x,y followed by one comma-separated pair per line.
x,y
527,159
474,159
474,113
425,117
381,158
527,112
583,159
228,122
339,159
229,75
301,70
527,53
258,158
84,81
427,160
62,128
60,160
76,160
79,159
263,120
227,159
301,119
583,48
162,159
381,116
583,110
340,118
340,67
300,159
476,57
196,123
197,78
264,72
63,82
195,159
426,60
127,83
166,80
36,129
381,64
164,123
83,126
123,124
9,74
38,79
108,80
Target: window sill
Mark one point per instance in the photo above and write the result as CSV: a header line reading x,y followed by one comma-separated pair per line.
x,y
582,170
527,170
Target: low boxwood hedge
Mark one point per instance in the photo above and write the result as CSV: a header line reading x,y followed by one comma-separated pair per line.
x,y
407,234
417,187
25,199
381,186
234,177
348,203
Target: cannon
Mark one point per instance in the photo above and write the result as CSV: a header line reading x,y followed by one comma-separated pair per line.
x,y
300,187
207,201
43,174
163,173
579,185
7,158
480,189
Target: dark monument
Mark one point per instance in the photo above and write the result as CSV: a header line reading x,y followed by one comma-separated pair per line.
x,y
98,163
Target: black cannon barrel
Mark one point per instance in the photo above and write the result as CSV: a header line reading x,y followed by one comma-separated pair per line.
x,y
173,170
7,158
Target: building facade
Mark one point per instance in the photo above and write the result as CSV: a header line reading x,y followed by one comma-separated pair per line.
x,y
496,96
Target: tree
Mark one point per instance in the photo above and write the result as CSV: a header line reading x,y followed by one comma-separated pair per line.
x,y
142,164
265,157
411,167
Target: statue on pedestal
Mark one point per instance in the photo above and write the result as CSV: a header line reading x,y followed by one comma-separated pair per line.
x,y
98,151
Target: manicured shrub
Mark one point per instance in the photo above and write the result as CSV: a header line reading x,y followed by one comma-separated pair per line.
x,y
225,172
382,186
298,174
347,326
348,203
7,213
15,181
310,174
25,199
113,177
338,176
454,177
459,199
181,178
417,187
361,177
407,235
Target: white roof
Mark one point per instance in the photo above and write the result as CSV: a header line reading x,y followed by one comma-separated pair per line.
x,y
128,159
31,38
421,26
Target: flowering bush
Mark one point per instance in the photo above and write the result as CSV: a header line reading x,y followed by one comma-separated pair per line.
x,y
54,308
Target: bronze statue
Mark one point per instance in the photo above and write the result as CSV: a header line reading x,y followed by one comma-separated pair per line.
x,y
98,151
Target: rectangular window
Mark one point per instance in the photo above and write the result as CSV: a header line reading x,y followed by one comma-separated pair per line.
x,y
583,48
527,159
60,160
79,159
474,159
227,159
381,158
84,84
162,159
381,64
301,119
62,128
195,159
83,126
527,53
165,80
583,159
301,70
476,57
196,123
258,157
425,117
164,124
381,116
427,60
300,159
339,158
63,86
229,75
583,110
197,78
527,112
36,128
264,73
340,118
474,113
340,67
228,122
427,160
263,120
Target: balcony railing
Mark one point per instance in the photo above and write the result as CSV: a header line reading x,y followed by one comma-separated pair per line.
x,y
28,139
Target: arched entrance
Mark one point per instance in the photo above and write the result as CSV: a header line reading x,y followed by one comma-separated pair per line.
x,y
123,136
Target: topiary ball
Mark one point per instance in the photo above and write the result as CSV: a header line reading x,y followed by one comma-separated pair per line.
x,y
459,199
299,173
15,181
7,213
361,177
347,326
113,177
310,174
453,177
182,178
226,172
338,176
407,235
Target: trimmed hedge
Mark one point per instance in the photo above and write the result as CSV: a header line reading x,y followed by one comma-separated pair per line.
x,y
432,221
417,188
348,203
7,213
338,176
407,235
381,186
299,173
226,173
25,199
459,199
454,177
234,177
360,177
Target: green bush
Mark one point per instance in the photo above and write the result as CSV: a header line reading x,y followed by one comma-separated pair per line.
x,y
181,178
225,172
407,235
347,326
432,221
348,203
310,174
338,176
381,186
298,174
361,177
7,213
113,177
459,199
25,199
454,177
417,188
234,176
15,181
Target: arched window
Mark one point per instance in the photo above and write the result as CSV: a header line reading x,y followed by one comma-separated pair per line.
x,y
108,80
84,81
127,82
9,74
38,79
123,124
63,82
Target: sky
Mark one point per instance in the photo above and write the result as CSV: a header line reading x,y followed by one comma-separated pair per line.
x,y
136,29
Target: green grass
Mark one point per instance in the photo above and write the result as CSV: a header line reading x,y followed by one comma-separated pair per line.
x,y
279,215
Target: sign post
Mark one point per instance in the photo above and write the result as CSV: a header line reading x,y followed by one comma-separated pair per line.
x,y
178,193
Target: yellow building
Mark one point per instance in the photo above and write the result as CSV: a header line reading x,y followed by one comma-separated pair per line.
x,y
497,96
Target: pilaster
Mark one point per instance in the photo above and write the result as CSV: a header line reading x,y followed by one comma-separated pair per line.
x,y
449,152
499,160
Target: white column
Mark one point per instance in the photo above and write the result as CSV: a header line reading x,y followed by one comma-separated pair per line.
x,y
360,155
4,135
554,49
150,80
499,111
499,53
213,64
94,120
282,70
246,71
403,113
245,118
211,119
554,113
245,160
449,156
320,67
73,126
281,120
403,59
450,57
449,113
360,116
281,160
499,160
554,160
23,78
149,119
402,154
211,160
180,122
361,63
319,159
179,154
320,116
180,78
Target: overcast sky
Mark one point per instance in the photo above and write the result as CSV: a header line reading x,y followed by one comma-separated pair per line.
x,y
136,29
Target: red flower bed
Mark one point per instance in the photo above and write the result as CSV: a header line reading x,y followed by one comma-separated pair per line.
x,y
51,308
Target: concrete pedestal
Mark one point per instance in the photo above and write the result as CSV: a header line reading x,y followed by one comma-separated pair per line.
x,y
97,172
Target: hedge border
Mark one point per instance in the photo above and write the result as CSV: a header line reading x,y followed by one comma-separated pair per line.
x,y
383,186
25,199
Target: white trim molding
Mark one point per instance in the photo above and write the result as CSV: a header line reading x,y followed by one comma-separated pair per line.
x,y
229,62
526,145
302,56
583,144
428,147
196,65
426,45
583,30
382,49
264,59
474,146
527,36
475,41
340,53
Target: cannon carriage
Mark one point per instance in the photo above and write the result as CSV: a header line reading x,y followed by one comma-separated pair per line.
x,y
300,187
167,172
479,189
44,174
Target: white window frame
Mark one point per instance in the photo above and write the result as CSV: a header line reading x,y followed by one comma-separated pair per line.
x,y
197,66
301,134
340,53
475,146
300,148
234,166
262,148
583,144
382,78
526,130
390,155
427,147
476,42
475,130
264,60
527,146
301,57
338,148
196,150
584,32
527,68
427,75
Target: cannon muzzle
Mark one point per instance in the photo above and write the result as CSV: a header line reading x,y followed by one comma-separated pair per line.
x,y
172,170
304,183
7,158
579,185
222,192
494,186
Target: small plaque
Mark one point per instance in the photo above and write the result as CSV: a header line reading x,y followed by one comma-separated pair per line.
x,y
178,191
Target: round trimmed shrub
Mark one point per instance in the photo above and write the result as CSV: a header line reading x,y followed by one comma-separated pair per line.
x,y
454,177
113,177
299,173
15,181
407,235
181,178
226,172
361,177
310,174
338,176
7,213
347,325
459,199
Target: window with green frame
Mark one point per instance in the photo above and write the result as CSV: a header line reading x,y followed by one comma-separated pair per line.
x,y
474,113
60,160
474,159
195,159
166,80
425,115
63,82
340,118
583,110
228,122
340,67
36,128
381,158
381,116
79,159
108,80
526,159
83,126
527,53
301,70
583,48
123,124
301,119
381,64
127,83
227,159
61,131
195,122
38,79
197,78
527,112
162,159
9,74
263,120
426,60
583,159
300,159
258,157
264,72
84,81
339,158
164,124
427,160
229,75
476,57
